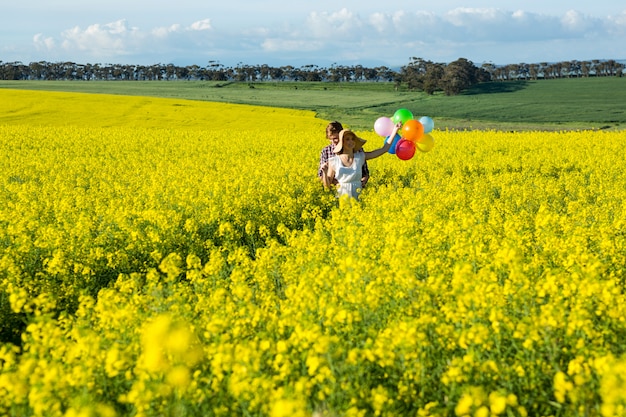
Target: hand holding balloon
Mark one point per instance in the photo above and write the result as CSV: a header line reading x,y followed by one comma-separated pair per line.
x,y
406,134
394,142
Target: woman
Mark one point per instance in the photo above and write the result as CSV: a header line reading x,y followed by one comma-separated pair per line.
x,y
346,166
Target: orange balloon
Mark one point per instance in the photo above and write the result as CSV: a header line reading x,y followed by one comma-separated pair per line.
x,y
425,143
412,130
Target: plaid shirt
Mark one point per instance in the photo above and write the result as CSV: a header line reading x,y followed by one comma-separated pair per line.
x,y
328,153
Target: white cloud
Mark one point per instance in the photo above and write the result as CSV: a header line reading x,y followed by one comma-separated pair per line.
x,y
115,38
118,38
379,21
471,17
400,22
43,43
204,24
343,24
176,28
420,25
576,22
162,32
392,36
617,24
520,15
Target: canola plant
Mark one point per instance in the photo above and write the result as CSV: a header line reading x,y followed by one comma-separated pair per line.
x,y
169,257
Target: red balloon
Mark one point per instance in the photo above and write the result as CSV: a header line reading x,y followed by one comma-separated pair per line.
x,y
405,149
412,130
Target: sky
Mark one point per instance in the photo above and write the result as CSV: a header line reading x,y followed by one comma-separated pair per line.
x,y
321,32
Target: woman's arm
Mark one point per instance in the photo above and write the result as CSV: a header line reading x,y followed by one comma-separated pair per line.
x,y
380,151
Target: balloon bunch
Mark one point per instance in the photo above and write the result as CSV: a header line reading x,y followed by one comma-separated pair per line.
x,y
414,134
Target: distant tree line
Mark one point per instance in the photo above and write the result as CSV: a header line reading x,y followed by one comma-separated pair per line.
x,y
418,74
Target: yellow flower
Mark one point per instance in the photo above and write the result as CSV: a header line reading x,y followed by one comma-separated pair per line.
x,y
482,412
179,376
312,363
288,408
497,403
380,398
464,406
561,386
204,285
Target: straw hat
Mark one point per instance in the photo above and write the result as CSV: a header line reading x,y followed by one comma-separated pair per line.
x,y
358,142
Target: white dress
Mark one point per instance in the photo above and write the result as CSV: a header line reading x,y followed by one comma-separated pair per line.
x,y
349,178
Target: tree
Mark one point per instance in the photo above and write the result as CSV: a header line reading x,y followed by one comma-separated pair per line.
x,y
533,71
585,68
459,76
433,78
311,73
384,74
277,74
421,75
418,74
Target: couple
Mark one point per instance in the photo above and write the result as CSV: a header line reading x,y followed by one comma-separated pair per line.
x,y
343,161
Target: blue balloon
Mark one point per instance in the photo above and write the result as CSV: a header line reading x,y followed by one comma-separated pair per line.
x,y
396,138
428,123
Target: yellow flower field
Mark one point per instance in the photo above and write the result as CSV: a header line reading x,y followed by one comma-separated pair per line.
x,y
179,258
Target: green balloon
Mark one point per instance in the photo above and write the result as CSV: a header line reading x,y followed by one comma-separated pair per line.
x,y
402,115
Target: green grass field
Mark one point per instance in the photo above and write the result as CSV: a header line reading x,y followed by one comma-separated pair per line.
x,y
591,103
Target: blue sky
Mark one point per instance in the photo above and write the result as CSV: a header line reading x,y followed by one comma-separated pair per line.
x,y
321,32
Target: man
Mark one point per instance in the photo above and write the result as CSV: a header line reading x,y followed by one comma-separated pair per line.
x,y
332,134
